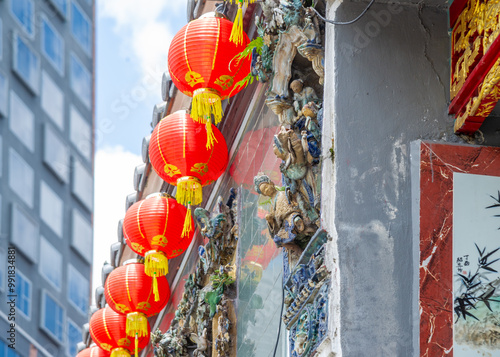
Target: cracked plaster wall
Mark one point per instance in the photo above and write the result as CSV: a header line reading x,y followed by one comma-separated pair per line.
x,y
388,75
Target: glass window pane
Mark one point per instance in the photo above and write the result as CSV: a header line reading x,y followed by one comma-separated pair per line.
x,y
1,171
26,63
4,87
21,177
51,209
50,263
1,39
80,27
78,290
3,268
22,121
23,12
24,233
80,133
52,100
61,6
23,292
83,184
55,154
74,337
52,45
81,82
82,236
52,317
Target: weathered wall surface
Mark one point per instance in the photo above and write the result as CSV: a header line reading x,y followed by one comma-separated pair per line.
x,y
388,75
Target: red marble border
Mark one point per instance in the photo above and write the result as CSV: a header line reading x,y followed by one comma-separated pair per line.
x,y
438,162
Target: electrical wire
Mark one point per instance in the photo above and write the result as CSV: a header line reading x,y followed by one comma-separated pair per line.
x,y
281,313
344,23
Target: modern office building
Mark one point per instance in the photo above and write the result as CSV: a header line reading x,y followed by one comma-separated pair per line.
x,y
46,174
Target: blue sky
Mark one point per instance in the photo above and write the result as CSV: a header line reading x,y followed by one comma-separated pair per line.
x,y
132,40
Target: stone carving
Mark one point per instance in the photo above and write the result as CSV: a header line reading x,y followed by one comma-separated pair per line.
x,y
306,282
310,328
223,337
206,290
295,96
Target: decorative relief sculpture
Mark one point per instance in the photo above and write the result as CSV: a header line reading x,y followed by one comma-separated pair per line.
x,y
201,320
288,222
295,96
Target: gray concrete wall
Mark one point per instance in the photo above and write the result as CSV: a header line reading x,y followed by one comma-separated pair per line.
x,y
389,77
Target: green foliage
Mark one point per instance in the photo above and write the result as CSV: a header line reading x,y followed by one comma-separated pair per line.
x,y
257,43
243,83
212,298
221,280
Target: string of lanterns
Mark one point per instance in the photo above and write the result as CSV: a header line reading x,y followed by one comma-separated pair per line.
x,y
185,151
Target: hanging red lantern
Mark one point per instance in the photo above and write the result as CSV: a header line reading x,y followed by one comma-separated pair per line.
x,y
200,62
178,156
154,229
93,351
129,291
108,330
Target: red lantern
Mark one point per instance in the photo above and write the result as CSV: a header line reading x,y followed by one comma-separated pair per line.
x,y
93,351
179,157
128,290
200,62
108,330
153,228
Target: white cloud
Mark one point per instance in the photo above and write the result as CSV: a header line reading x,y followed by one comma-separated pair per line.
x,y
145,27
114,171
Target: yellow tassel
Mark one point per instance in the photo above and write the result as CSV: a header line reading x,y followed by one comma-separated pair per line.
x,y
237,31
210,135
156,263
189,191
136,345
137,324
206,102
188,223
120,352
155,288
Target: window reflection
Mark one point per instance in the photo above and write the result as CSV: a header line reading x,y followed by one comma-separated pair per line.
x,y
78,290
55,154
21,178
52,100
51,209
52,45
50,263
74,337
80,27
3,266
23,12
83,185
23,292
1,39
3,94
81,235
26,63
24,233
22,121
80,133
53,316
81,81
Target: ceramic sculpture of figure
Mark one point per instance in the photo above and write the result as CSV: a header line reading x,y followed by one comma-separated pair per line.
x,y
201,343
287,223
304,98
288,147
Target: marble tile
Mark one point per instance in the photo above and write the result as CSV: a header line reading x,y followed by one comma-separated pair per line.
x,y
438,162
